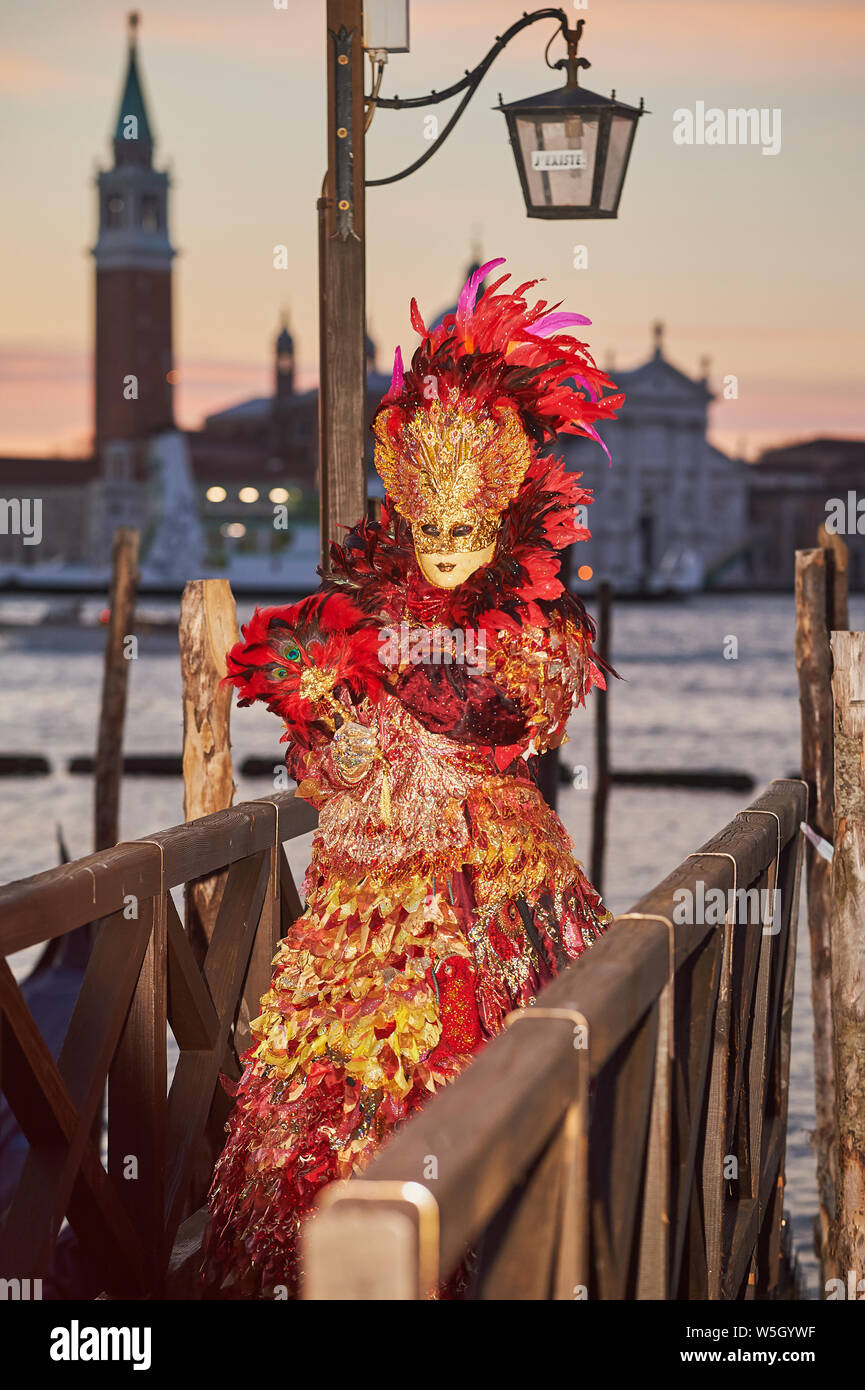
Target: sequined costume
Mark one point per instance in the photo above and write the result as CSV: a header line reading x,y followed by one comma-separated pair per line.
x,y
442,891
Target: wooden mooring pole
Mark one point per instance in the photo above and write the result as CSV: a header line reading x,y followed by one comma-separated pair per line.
x,y
815,616
847,950
208,627
821,608
108,763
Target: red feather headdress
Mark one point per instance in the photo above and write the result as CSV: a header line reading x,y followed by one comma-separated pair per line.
x,y
500,352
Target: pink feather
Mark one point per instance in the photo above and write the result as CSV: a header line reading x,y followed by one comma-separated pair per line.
x,y
551,323
396,381
469,291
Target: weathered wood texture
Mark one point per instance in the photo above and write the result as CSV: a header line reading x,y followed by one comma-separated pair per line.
x,y
837,608
142,975
847,949
342,282
820,606
108,763
208,628
664,1180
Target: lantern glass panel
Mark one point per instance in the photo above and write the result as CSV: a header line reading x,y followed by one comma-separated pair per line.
x,y
621,129
559,159
385,25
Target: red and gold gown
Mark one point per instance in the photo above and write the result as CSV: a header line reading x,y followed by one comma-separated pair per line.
x,y
442,892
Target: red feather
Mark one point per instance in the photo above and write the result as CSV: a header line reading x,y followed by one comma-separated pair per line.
x,y
496,351
327,632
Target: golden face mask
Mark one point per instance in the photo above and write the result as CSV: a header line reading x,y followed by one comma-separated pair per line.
x,y
449,569
451,472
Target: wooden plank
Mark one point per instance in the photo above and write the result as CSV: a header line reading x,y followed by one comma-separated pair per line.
x,y
814,599
654,1254
40,1101
259,970
716,1123
50,1168
696,993
196,1073
518,1254
193,1018
55,902
290,906
847,954
618,1151
742,1240
757,1057
137,1086
790,886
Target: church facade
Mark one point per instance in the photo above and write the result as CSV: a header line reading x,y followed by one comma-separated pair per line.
x,y
671,513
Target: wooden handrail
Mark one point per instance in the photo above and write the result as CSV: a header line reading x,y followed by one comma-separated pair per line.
x,y
142,976
47,905
684,1083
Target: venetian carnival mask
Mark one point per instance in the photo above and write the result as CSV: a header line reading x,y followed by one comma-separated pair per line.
x,y
451,471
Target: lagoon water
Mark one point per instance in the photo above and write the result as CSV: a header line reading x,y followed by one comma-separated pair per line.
x,y
708,682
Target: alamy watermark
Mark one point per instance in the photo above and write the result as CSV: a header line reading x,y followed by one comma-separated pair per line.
x,y
713,906
22,516
846,517
438,646
77,1343
736,126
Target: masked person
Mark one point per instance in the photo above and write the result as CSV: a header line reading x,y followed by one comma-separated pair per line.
x,y
440,655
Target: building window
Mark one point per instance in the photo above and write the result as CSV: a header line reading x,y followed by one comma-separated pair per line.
x,y
150,220
115,210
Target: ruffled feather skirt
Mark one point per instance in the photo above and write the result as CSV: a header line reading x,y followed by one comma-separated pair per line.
x,y
379,997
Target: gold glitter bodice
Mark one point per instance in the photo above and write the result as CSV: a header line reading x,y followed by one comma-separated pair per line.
x,y
425,805
429,780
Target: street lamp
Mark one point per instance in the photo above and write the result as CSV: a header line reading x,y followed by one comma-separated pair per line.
x,y
572,149
571,146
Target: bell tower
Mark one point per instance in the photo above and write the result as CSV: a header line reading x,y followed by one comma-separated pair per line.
x,y
284,382
133,255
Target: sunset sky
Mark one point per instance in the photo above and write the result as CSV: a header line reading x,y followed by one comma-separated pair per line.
x,y
751,260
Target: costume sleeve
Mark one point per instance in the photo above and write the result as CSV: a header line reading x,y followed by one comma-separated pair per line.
x,y
329,767
547,671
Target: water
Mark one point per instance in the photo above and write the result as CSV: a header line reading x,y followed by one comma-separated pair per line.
x,y
708,683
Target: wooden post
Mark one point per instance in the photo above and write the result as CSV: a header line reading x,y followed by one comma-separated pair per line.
x,y
602,743
847,946
208,627
837,592
108,763
814,669
342,274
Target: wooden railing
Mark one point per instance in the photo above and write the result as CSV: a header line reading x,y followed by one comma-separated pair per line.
x,y
142,976
625,1137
